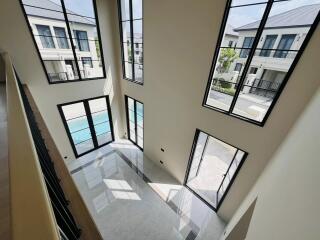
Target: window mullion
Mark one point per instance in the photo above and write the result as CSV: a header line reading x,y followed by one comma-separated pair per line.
x,y
132,45
71,38
90,123
251,54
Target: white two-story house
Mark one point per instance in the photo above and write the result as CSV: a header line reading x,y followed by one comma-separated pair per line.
x,y
51,35
276,50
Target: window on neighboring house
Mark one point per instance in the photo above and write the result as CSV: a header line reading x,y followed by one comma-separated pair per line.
x,y
82,42
61,37
76,30
284,44
253,70
87,61
250,94
238,67
212,168
230,43
131,26
268,45
88,124
247,44
45,36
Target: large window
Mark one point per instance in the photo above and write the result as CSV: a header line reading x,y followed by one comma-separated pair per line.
x,y
88,124
135,113
66,32
212,167
271,36
131,20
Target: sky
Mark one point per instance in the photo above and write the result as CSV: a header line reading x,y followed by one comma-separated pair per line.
x,y
243,15
81,7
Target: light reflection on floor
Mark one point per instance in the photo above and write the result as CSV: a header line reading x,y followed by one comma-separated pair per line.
x,y
141,201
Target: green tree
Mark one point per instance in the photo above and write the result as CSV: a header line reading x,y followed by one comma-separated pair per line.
x,y
227,56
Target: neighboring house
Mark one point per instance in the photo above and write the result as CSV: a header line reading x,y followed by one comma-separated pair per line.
x,y
230,38
278,46
52,38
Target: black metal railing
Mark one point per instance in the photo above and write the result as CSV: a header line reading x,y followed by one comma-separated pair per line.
x,y
265,88
67,226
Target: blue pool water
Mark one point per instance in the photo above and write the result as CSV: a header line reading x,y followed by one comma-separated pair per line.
x,y
79,127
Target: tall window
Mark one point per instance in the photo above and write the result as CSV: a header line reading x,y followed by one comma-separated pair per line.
x,y
272,36
268,44
76,36
82,42
135,120
45,36
212,168
88,124
131,19
61,37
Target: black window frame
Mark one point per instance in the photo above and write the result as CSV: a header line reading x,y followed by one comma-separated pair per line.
x,y
126,97
241,81
90,123
194,145
73,47
132,47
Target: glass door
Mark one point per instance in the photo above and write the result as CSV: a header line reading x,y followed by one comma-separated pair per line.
x,y
88,124
100,113
135,120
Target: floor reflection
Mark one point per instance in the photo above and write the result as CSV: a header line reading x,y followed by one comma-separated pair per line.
x,y
130,197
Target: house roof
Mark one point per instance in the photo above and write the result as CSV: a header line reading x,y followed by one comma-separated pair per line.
x,y
298,17
230,30
51,10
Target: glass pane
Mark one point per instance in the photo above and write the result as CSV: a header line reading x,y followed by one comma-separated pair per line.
x,y
138,53
127,51
137,9
139,107
125,10
131,104
84,146
128,70
81,136
100,117
104,138
140,131
98,105
132,136
261,86
73,110
126,33
138,71
83,25
77,124
102,128
239,20
210,163
140,142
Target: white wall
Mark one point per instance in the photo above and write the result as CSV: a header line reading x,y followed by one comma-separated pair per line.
x,y
180,38
288,189
15,38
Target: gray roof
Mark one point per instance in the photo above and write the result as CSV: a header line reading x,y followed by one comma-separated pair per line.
x,y
298,17
230,30
51,10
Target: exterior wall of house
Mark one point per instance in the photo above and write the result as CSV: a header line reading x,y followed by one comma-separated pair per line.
x,y
271,63
227,38
58,53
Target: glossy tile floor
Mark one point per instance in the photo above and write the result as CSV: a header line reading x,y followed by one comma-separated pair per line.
x,y
130,197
